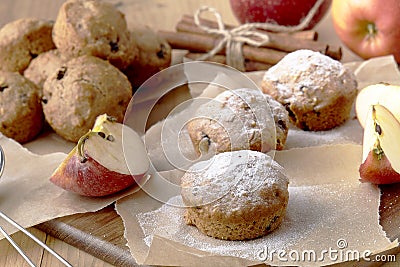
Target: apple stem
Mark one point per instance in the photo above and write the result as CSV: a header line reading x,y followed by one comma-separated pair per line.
x,y
81,145
82,140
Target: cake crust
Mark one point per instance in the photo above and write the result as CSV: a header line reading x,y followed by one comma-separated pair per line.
x,y
235,195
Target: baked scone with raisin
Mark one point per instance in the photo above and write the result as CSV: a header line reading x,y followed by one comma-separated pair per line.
x,y
235,195
92,27
154,55
21,114
43,65
317,91
239,119
22,40
79,91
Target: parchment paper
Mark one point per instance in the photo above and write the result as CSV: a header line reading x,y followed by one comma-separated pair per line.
x,y
328,206
27,195
162,137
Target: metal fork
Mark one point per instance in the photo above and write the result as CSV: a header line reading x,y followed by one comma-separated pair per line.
x,y
22,229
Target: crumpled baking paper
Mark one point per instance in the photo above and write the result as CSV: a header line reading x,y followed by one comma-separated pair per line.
x,y
29,198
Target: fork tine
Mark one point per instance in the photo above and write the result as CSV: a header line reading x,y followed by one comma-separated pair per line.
x,y
34,238
22,229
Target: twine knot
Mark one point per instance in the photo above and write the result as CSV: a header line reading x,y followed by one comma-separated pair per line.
x,y
234,39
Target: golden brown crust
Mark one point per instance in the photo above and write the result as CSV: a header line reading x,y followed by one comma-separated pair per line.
x,y
94,28
22,40
325,118
79,91
261,225
317,91
236,195
21,115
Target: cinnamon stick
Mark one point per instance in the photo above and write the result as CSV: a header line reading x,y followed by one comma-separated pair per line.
x,y
277,41
249,65
203,43
307,34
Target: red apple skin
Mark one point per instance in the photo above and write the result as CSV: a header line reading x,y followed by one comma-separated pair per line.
x,y
90,178
351,18
378,171
281,12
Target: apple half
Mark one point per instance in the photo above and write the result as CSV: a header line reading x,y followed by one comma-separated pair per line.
x,y
383,93
96,166
381,147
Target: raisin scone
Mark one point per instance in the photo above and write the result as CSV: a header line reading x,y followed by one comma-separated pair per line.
x,y
22,40
154,55
239,119
237,195
317,91
76,93
21,114
43,65
97,28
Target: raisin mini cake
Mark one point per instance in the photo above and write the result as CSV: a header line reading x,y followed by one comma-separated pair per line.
x,y
237,195
43,65
239,119
21,114
22,40
317,91
97,28
154,55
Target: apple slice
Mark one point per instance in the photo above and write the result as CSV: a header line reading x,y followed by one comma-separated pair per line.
x,y
97,166
381,147
385,94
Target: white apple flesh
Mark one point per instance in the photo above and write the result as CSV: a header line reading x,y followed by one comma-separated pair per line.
x,y
381,147
384,94
97,165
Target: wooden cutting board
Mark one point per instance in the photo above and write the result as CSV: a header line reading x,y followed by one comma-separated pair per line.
x,y
102,233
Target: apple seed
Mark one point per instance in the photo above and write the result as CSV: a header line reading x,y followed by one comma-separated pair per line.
x,y
102,135
110,138
378,128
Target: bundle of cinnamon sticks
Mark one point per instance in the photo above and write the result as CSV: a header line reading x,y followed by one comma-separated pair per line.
x,y
189,36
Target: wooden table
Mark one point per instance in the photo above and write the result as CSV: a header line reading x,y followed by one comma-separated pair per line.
x,y
157,14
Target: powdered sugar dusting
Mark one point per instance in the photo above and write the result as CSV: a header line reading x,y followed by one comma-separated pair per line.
x,y
245,115
234,179
310,77
309,210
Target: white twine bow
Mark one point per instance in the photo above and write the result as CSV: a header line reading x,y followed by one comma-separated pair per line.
x,y
233,40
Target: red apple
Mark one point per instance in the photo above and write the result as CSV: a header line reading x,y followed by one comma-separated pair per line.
x,y
377,169
369,28
97,166
281,12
